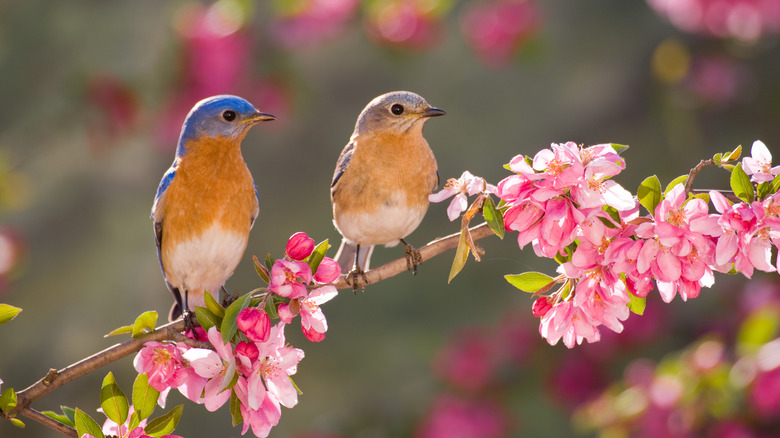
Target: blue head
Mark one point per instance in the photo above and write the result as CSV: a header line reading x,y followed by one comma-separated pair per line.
x,y
219,116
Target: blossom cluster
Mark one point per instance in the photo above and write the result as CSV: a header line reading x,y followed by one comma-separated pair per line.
x,y
564,203
253,366
745,20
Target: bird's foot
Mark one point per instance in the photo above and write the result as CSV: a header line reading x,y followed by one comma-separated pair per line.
x,y
413,258
189,320
354,277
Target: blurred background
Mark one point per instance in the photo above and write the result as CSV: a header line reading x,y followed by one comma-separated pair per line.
x,y
92,97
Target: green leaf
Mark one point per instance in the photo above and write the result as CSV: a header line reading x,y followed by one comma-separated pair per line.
x,y
269,261
235,409
529,281
206,318
679,180
318,254
636,304
59,417
461,255
229,327
134,421
144,396
113,400
214,307
649,193
718,158
124,330
261,270
17,422
8,400
164,424
741,185
271,306
735,154
613,214
69,412
619,148
8,312
85,424
493,218
144,324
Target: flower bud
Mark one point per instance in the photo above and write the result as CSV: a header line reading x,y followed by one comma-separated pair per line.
x,y
254,323
328,271
299,247
541,307
248,350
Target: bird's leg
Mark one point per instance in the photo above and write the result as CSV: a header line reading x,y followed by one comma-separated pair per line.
x,y
413,257
352,276
189,324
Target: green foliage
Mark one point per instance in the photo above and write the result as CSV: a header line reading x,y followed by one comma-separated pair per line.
x,y
145,323
86,425
461,255
7,400
318,254
8,312
759,328
235,409
206,318
682,179
649,193
261,270
66,417
113,401
619,148
636,304
144,397
229,327
164,424
214,307
741,185
530,281
493,217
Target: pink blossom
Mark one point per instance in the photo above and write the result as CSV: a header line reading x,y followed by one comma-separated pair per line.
x,y
541,306
312,22
260,411
289,278
312,319
759,163
248,350
162,363
461,188
254,323
218,367
277,362
566,321
299,246
328,271
495,30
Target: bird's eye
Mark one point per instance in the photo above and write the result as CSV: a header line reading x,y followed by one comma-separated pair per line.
x,y
397,109
229,115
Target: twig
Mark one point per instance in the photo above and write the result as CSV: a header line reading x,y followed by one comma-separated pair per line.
x,y
427,252
54,379
694,172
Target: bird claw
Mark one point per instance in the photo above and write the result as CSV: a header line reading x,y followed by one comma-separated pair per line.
x,y
352,279
413,258
189,320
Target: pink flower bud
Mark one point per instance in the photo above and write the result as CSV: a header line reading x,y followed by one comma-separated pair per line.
x,y
248,350
299,246
255,324
328,271
541,307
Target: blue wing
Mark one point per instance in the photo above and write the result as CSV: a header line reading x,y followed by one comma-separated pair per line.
x,y
343,162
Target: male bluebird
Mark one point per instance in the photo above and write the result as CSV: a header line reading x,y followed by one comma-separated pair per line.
x,y
383,178
206,202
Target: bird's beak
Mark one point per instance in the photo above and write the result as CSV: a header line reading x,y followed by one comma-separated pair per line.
x,y
259,117
432,112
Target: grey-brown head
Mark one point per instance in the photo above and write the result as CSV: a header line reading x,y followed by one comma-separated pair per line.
x,y
396,111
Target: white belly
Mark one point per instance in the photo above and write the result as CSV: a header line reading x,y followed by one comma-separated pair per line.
x,y
205,263
385,226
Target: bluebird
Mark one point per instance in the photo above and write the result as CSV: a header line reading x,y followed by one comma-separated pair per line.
x,y
382,180
206,202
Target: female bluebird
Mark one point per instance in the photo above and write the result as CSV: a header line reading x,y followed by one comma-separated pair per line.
x,y
383,178
206,202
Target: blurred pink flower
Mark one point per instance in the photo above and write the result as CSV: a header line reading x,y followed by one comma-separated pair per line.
x,y
411,24
467,361
746,20
455,417
311,22
496,29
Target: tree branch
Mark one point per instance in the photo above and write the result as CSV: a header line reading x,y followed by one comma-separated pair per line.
x,y
427,252
51,423
54,379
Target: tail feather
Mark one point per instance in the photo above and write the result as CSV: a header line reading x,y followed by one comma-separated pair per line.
x,y
345,256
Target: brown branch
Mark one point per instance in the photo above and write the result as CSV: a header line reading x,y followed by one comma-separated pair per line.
x,y
427,252
51,423
54,379
694,172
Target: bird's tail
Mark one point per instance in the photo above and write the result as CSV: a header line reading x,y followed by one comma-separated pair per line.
x,y
345,256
